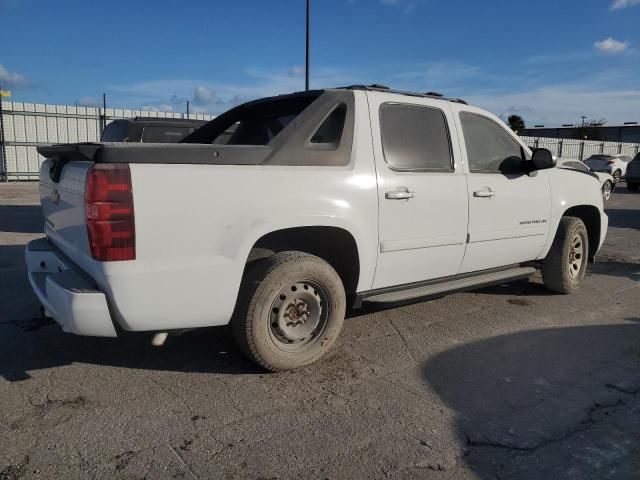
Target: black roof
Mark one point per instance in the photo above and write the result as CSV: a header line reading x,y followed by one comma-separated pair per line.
x,y
382,88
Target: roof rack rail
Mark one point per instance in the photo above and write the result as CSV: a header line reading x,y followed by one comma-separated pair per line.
x,y
382,88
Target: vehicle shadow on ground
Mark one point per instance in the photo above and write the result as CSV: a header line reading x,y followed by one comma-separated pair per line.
x,y
623,189
21,218
27,343
534,404
624,218
517,288
616,269
33,345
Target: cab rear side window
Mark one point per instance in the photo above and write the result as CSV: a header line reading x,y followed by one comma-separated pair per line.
x,y
415,138
330,131
116,131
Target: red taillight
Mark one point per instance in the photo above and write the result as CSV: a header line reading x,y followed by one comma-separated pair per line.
x,y
610,162
109,212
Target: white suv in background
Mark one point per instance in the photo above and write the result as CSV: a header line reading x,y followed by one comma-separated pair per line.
x,y
606,180
615,165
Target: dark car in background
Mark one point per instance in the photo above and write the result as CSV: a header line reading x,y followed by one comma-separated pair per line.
x,y
150,130
633,174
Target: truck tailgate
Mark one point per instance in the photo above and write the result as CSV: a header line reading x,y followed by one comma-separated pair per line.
x,y
63,208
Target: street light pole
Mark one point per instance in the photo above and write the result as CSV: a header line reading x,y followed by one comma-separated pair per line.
x,y
2,145
306,75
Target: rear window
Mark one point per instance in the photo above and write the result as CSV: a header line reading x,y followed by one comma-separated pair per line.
x,y
158,134
415,138
254,123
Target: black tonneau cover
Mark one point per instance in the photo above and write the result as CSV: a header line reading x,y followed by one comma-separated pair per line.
x,y
168,153
178,153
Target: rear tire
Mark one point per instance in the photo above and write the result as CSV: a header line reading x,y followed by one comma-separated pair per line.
x,y
290,311
632,187
564,267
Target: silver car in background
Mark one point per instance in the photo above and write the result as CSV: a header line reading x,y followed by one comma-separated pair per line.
x,y
614,165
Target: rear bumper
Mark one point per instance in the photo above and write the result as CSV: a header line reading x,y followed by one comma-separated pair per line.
x,y
66,295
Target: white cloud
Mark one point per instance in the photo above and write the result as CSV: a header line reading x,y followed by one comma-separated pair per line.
x,y
538,98
611,46
218,96
10,79
557,104
296,70
86,102
407,5
618,4
163,107
202,95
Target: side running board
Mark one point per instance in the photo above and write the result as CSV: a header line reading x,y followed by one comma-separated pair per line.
x,y
439,288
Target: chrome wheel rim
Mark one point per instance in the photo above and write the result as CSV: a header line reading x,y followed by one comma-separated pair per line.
x,y
606,191
576,255
298,315
616,177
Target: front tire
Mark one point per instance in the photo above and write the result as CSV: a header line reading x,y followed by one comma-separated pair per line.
x,y
607,188
290,311
564,267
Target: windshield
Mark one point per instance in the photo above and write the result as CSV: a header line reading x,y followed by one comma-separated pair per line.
x,y
254,123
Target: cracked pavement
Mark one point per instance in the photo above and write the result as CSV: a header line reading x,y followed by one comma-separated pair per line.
x,y
509,382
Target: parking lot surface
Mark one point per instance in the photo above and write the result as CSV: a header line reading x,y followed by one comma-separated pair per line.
x,y
505,382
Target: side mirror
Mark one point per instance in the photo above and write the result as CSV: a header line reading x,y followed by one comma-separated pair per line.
x,y
542,159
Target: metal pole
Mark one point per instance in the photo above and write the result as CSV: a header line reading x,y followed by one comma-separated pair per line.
x,y
187,109
2,145
306,76
104,113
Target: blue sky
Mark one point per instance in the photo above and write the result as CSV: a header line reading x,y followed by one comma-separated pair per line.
x,y
550,61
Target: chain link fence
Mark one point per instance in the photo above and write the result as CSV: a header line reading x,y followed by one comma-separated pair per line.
x,y
581,149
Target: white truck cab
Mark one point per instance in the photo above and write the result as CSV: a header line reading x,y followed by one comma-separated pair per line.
x,y
319,198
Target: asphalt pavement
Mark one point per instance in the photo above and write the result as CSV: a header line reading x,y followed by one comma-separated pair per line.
x,y
508,382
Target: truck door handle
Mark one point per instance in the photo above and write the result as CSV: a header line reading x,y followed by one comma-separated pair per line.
x,y
401,193
484,193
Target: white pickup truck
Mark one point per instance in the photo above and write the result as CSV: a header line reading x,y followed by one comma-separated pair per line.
x,y
317,202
